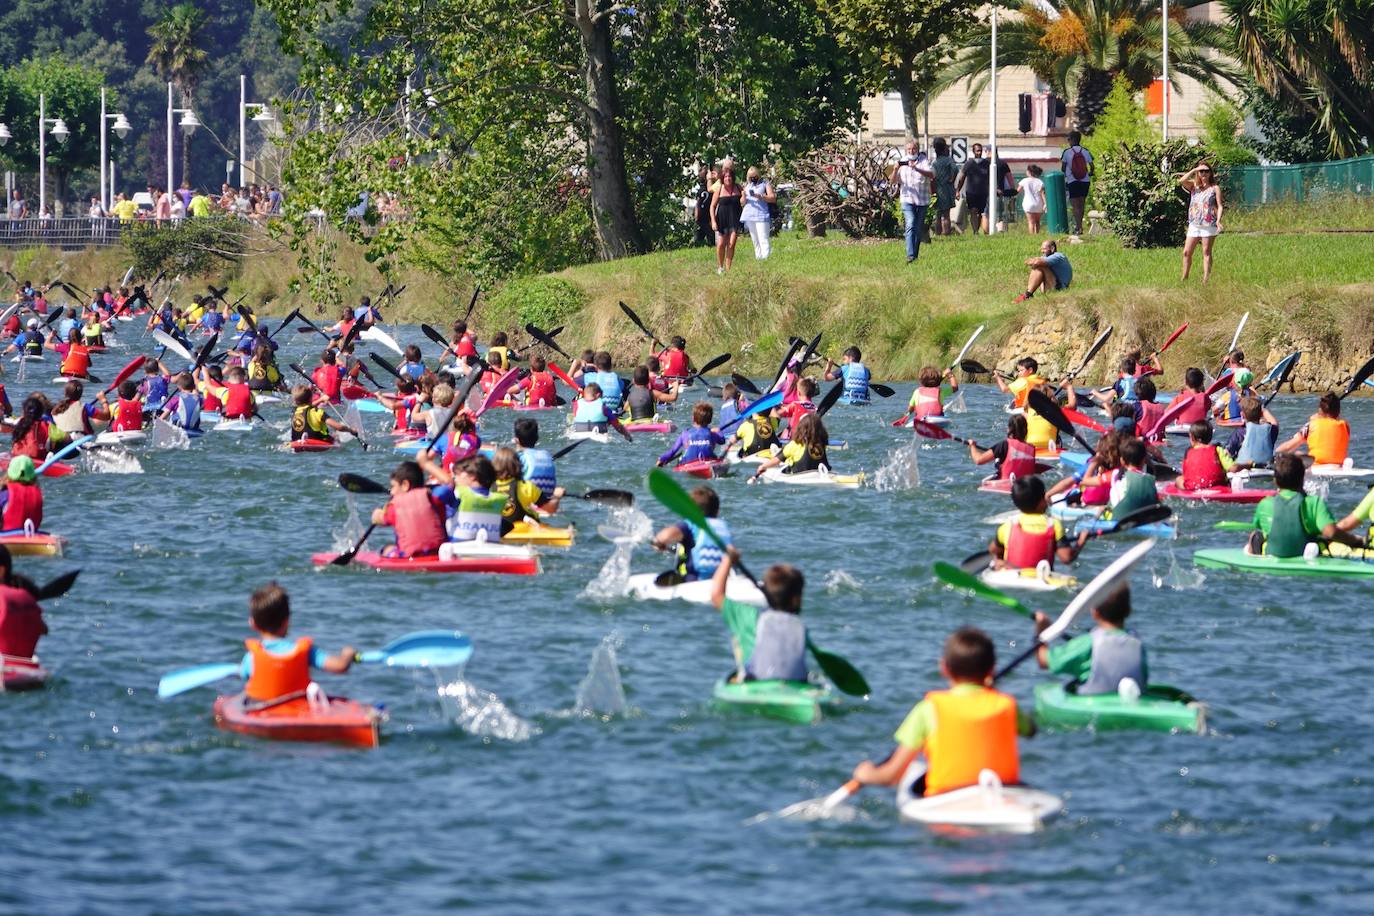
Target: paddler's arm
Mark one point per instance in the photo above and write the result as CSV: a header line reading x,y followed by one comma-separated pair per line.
x,y
722,574
620,428
887,773
952,379
980,455
1299,439
433,468
1071,399
338,664
667,537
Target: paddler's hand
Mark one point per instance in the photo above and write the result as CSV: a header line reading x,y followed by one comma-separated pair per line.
x,y
733,553
350,655
865,772
1042,622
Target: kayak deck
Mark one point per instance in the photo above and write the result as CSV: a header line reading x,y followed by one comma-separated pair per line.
x,y
18,674
988,806
494,563
1236,558
333,720
1159,708
789,701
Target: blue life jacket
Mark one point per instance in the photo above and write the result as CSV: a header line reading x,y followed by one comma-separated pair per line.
x,y
186,412
414,370
591,412
1125,388
705,555
64,328
212,320
729,412
856,376
1257,447
612,390
154,391
536,466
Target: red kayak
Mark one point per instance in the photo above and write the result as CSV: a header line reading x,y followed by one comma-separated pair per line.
x,y
21,674
296,718
706,469
1003,485
1215,494
56,469
508,565
312,445
353,391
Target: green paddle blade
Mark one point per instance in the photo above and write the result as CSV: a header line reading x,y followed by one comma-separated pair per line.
x,y
956,577
176,682
677,500
842,674
426,649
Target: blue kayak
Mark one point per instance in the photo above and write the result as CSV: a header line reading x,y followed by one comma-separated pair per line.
x,y
1153,530
1075,460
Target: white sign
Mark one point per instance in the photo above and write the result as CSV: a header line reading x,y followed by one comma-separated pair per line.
x,y
958,148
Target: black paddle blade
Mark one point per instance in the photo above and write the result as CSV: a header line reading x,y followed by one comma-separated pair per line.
x,y
434,335
1361,375
1041,403
472,303
810,350
639,324
567,448
352,334
1162,471
973,367
1145,515
546,340
214,293
344,559
57,587
831,398
247,316
621,498
743,384
290,317
883,390
52,318
356,483
206,349
382,361
977,562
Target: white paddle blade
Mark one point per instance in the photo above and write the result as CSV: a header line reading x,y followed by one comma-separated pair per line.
x,y
377,335
967,346
1105,581
172,344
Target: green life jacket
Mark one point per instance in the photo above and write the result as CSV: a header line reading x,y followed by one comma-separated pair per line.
x,y
1287,536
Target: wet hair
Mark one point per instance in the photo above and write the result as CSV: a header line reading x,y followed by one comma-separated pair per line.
x,y
270,609
526,432
1124,410
538,364
810,432
1289,471
592,389
782,586
1330,404
930,377
653,364
1145,390
1201,432
1027,493
1116,607
702,413
603,361
409,472
185,381
641,376
506,464
442,394
588,356
854,354
406,385
72,391
1133,452
1251,410
499,339
1193,378
1017,428
808,388
479,468
707,500
1029,363
235,374
128,391
150,366
460,327
31,413
969,655
300,395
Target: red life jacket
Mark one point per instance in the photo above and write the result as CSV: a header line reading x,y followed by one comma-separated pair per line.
x,y
540,387
275,675
673,363
129,416
1150,412
34,443
1196,410
77,361
928,403
1025,550
13,326
21,622
419,521
402,413
328,379
466,346
1020,459
25,504
1202,468
238,402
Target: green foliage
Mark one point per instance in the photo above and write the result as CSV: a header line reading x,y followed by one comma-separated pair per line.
x,y
1144,204
1284,135
1123,121
192,247
1221,125
72,92
545,301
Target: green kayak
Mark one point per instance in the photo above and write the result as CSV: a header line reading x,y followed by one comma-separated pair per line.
x,y
787,700
1237,558
1160,708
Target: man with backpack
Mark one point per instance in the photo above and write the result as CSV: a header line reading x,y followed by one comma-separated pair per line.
x,y
1078,167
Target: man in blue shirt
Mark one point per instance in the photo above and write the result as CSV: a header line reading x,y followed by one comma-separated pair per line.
x,y
1049,271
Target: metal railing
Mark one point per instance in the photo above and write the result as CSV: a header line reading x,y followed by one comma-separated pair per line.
x,y
1254,185
67,233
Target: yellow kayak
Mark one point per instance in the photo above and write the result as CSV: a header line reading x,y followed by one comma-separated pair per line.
x,y
543,535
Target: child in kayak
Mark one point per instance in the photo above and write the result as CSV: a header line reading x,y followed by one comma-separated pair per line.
x,y
1027,378
538,385
73,417
1204,464
328,376
414,365
21,618
1032,537
962,731
476,511
731,404
415,513
698,556
806,451
31,433
1147,412
1253,444
593,413
854,373
1326,435
233,396
1228,411
769,644
611,388
276,667
643,399
154,388
183,408
1102,658
757,435
674,362
1290,522
128,410
536,464
792,411
928,398
696,443
1015,456
1195,391
524,502
21,496
309,423
1093,485
1134,488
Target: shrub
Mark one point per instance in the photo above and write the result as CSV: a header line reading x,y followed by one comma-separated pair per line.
x,y
1221,124
189,247
845,186
543,301
1137,187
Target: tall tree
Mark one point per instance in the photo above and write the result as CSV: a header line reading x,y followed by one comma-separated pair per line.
x,y
1080,46
901,45
1314,59
175,53
71,92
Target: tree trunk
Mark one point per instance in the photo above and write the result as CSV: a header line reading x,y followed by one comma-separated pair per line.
x,y
617,229
1093,88
907,90
59,199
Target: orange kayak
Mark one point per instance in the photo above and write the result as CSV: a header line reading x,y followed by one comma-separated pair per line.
x,y
21,674
297,719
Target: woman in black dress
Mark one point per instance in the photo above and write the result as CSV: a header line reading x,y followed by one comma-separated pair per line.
x,y
727,203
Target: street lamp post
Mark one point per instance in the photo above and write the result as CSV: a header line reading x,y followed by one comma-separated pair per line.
x,y
60,134
121,129
992,202
188,123
1164,84
262,117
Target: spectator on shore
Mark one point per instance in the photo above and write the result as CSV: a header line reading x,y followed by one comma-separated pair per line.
x,y
1204,217
184,192
913,176
178,209
727,203
1033,200
19,208
973,183
756,216
1049,271
274,200
706,180
124,208
946,170
162,204
95,211
199,206
1078,173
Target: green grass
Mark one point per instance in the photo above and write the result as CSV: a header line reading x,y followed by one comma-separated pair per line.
x,y
1333,213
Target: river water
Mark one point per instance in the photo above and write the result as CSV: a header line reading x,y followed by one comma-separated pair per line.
x,y
576,765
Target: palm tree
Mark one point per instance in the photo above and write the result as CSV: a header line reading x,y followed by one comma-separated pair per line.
x,y
1080,46
1314,59
176,58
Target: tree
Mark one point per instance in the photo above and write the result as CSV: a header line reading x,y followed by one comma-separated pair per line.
x,y
1314,59
901,45
1123,121
71,92
175,54
1080,46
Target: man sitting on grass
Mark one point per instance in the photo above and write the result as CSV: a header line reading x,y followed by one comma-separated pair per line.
x,y
1049,271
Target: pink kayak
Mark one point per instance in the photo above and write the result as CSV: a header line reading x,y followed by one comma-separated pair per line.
x,y
705,469
649,426
1215,494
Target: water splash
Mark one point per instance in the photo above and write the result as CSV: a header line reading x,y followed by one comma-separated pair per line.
x,y
837,580
901,471
630,526
632,521
601,694
957,405
1316,486
1178,578
347,536
168,436
483,714
111,461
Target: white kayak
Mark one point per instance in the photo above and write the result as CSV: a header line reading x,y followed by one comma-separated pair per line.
x,y
737,588
266,399
234,426
121,437
453,550
591,434
820,478
1039,579
988,806
734,457
1340,470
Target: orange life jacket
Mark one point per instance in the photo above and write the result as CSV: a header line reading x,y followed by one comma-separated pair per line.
x,y
1025,550
77,362
1022,396
974,731
274,675
1328,439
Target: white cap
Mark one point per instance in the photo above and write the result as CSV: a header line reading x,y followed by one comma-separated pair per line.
x,y
33,322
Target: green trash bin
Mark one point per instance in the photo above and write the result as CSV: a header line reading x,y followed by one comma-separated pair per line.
x,y
1056,204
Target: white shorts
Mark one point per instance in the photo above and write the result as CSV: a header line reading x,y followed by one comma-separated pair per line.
x,y
1202,232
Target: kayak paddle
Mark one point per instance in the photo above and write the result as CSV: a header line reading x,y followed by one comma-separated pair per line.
x,y
973,367
356,483
670,493
1234,526
65,451
629,312
185,679
1041,403
744,384
607,497
377,335
1361,374
472,303
1082,419
425,649
312,326
765,403
497,392
129,369
385,364
564,377
296,368
1284,370
1092,351
548,341
832,397
1235,338
712,364
958,578
1172,337
57,587
565,449
346,557
968,345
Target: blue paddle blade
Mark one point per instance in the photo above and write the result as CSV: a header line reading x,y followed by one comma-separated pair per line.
x,y
176,682
369,405
66,450
426,649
